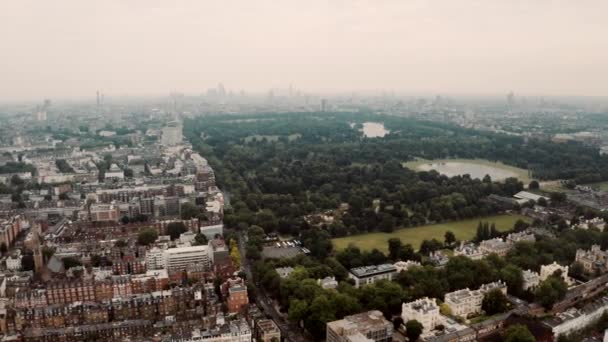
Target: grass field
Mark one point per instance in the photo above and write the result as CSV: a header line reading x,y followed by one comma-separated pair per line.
x,y
521,174
464,230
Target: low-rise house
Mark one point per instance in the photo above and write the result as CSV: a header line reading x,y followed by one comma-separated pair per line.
x,y
370,274
284,272
405,265
328,282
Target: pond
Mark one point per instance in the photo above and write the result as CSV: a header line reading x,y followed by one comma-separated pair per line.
x,y
374,130
476,170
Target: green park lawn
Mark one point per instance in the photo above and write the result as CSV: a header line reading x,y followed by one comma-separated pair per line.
x,y
464,230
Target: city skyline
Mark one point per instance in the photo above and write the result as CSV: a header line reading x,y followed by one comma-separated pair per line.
x,y
74,49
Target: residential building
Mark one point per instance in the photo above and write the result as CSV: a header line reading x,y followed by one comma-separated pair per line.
x,y
424,310
548,270
100,212
577,319
467,302
172,134
328,282
237,298
371,274
520,237
470,250
284,272
363,327
267,331
155,258
593,260
405,265
496,245
178,259
531,280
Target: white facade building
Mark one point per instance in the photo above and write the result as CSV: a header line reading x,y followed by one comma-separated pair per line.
x,y
531,280
370,274
466,302
548,270
172,134
181,257
424,310
155,258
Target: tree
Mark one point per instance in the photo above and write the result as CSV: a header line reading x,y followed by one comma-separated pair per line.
x,y
550,291
514,278
3,248
394,248
188,211
533,185
576,270
147,237
175,229
128,173
542,202
201,239
450,238
27,262
494,302
298,310
397,322
69,262
413,330
518,333
120,243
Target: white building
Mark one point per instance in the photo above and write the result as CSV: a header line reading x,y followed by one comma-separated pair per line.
x,y
496,245
548,270
211,231
424,310
284,272
179,258
172,134
13,262
405,265
370,274
574,319
328,282
114,173
155,258
531,280
470,250
466,302
520,237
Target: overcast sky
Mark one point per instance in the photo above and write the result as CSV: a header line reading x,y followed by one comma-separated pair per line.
x,y
71,48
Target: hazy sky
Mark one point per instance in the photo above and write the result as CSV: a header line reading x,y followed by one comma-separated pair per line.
x,y
70,48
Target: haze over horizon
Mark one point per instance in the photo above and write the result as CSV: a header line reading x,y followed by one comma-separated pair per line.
x,y
73,48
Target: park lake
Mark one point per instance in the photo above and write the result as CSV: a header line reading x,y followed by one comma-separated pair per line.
x,y
476,168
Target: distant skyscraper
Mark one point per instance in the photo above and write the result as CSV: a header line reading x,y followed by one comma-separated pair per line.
x,y
172,134
323,105
511,99
221,91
